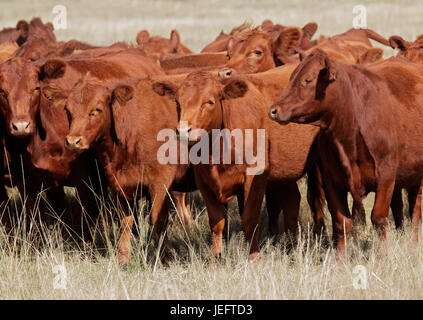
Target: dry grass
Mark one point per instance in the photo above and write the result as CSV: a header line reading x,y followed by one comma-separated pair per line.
x,y
309,270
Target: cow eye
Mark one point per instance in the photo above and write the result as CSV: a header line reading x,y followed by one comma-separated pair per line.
x,y
210,102
308,80
258,52
95,112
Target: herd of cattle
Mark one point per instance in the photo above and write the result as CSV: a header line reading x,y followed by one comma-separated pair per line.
x,y
334,110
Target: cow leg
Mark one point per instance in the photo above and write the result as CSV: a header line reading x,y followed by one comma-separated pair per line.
x,y
284,197
124,246
159,215
415,203
5,218
274,207
182,210
380,212
291,207
341,218
397,207
316,198
254,189
216,214
358,213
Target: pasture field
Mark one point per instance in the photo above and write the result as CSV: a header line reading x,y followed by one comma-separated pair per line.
x,y
309,269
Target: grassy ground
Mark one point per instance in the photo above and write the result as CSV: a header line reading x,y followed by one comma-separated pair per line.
x,y
308,270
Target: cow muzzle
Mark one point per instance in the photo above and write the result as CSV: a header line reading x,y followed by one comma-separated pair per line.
x,y
76,143
225,73
21,128
276,116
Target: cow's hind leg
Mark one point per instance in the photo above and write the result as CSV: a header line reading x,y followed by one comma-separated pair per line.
x,y
415,209
397,207
341,218
380,212
254,189
183,210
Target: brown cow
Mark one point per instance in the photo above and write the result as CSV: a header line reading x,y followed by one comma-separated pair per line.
x,y
162,48
121,122
26,31
21,81
254,51
37,48
372,133
412,51
207,103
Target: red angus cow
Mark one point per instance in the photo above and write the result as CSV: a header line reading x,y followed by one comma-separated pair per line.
x,y
372,134
162,48
412,51
25,31
254,50
207,103
46,125
121,123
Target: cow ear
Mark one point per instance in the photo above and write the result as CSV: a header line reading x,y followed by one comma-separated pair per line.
x,y
52,69
370,56
398,42
142,37
122,94
309,30
175,39
165,89
330,68
23,27
267,24
326,75
234,89
289,40
230,43
50,26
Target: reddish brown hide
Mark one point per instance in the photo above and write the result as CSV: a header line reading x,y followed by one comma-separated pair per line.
x,y
240,103
372,132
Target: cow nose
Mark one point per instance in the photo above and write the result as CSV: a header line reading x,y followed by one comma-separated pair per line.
x,y
75,143
21,128
273,113
225,73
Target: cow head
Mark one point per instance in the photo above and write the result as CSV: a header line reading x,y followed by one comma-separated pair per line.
x,y
90,106
20,81
249,52
199,99
301,102
19,96
159,47
257,51
412,51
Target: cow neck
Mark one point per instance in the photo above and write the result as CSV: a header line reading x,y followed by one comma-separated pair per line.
x,y
341,125
108,150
